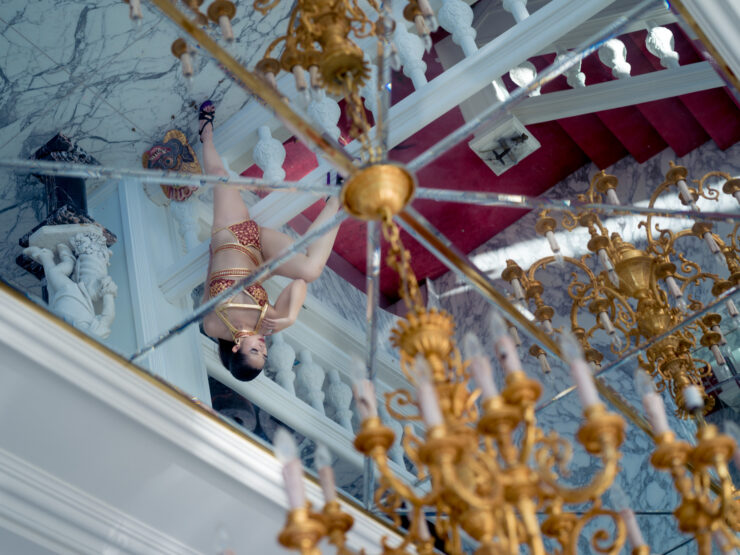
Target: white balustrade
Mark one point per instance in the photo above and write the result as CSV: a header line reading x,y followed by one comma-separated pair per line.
x,y
575,77
282,357
456,17
411,51
396,451
517,8
325,112
269,155
524,74
659,42
613,54
310,381
339,399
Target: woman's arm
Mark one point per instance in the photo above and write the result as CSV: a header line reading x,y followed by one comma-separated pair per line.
x,y
287,307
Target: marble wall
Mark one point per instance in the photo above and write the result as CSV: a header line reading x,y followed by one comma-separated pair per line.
x,y
651,492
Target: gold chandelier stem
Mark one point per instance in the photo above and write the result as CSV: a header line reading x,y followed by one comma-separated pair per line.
x,y
422,230
449,477
333,152
531,525
397,485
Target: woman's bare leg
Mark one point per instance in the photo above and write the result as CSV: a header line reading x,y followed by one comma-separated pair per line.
x,y
228,205
307,266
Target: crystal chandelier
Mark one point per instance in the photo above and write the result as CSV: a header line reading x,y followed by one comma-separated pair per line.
x,y
628,290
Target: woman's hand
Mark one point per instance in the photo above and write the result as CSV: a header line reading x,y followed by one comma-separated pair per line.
x,y
274,325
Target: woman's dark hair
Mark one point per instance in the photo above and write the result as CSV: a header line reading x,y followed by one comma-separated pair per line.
x,y
236,363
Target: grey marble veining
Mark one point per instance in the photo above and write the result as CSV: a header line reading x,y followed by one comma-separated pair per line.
x,y
87,70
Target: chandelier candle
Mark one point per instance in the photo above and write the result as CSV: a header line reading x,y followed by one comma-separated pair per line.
x,y
621,504
135,10
326,472
428,402
504,344
652,402
479,366
685,194
287,453
580,370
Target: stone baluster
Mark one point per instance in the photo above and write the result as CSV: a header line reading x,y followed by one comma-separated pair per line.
x,y
575,77
282,357
456,17
396,451
325,111
269,155
410,50
659,42
187,225
339,399
517,8
310,381
613,54
523,74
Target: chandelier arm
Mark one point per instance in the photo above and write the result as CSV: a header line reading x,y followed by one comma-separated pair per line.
x,y
452,482
530,434
398,485
600,483
419,228
596,511
333,152
274,43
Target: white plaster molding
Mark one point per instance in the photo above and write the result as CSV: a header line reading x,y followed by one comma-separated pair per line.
x,y
221,454
523,74
615,94
325,112
719,20
53,513
187,225
517,8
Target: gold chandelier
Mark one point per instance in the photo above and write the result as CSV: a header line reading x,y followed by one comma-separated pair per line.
x,y
629,294
490,468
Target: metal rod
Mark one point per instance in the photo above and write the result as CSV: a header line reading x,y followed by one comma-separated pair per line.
x,y
421,230
384,80
162,177
334,153
260,273
372,282
500,110
485,198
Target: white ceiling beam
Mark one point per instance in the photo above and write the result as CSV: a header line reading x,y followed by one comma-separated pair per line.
x,y
618,93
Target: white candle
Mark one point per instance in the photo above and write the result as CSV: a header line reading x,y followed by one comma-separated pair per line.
x,y
693,398
423,529
287,453
685,194
503,343
187,64
580,370
326,472
300,78
363,390
226,30
544,364
514,333
717,329
553,242
518,290
731,308
719,359
547,327
652,402
480,366
135,10
431,414
611,194
608,266
621,505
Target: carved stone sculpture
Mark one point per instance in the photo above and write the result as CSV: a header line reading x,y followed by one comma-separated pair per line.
x,y
80,289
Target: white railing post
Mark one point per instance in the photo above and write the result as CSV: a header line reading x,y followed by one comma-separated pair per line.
x,y
369,90
269,155
613,54
456,17
411,52
575,77
659,42
339,398
282,357
310,380
517,8
523,74
325,111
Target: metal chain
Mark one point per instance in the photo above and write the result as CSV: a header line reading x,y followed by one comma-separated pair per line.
x,y
399,259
